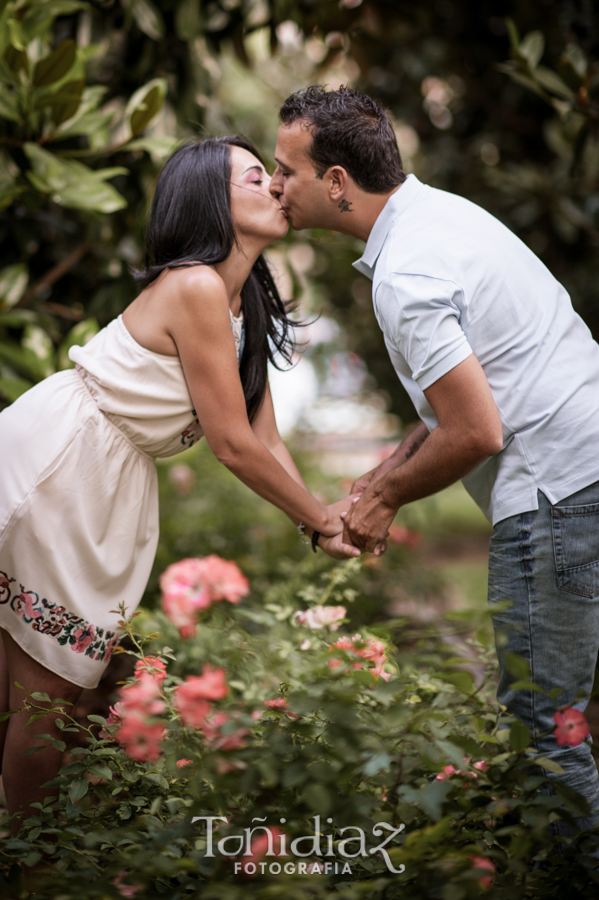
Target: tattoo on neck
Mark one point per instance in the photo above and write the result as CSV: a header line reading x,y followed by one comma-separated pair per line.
x,y
345,206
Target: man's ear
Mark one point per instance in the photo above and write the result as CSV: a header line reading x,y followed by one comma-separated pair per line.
x,y
338,182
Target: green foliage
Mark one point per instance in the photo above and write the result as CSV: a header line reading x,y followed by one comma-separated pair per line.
x,y
356,750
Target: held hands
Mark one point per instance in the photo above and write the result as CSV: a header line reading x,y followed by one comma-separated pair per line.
x,y
366,523
338,546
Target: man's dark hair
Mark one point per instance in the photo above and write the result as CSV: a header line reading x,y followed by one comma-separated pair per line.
x,y
349,129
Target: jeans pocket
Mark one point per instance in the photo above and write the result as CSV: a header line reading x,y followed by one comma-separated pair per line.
x,y
576,548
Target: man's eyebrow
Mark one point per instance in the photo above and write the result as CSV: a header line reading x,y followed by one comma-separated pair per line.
x,y
249,168
279,163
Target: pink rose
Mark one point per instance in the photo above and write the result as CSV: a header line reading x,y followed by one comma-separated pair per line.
x,y
398,534
152,665
182,478
143,696
446,773
481,862
184,762
192,585
224,579
482,765
191,697
184,592
321,616
373,651
572,727
280,703
140,739
216,738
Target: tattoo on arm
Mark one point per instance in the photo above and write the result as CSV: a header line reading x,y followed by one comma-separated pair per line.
x,y
345,206
414,447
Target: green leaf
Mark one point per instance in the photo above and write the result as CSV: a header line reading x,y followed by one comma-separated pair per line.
x,y
318,797
101,771
532,48
520,737
148,17
516,665
13,281
23,360
65,102
17,38
55,66
78,789
157,778
146,103
97,720
551,82
16,60
188,20
71,183
462,680
548,764
156,146
377,763
39,342
430,798
513,34
9,106
527,686
40,697
38,17
574,55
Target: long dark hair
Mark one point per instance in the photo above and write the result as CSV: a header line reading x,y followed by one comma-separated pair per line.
x,y
191,221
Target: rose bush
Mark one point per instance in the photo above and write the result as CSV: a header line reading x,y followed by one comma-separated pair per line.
x,y
240,729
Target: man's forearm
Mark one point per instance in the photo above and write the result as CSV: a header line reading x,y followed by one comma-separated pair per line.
x,y
405,450
437,461
440,460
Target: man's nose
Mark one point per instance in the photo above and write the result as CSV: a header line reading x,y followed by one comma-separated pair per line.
x,y
276,184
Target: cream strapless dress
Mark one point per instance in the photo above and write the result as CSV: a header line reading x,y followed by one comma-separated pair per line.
x,y
79,497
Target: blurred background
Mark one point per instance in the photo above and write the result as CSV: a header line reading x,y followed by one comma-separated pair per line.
x,y
496,101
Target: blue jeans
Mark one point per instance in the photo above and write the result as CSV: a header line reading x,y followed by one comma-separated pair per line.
x,y
546,562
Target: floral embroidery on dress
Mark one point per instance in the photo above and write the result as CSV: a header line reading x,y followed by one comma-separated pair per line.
x,y
192,433
54,620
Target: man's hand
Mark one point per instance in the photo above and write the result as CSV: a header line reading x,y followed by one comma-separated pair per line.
x,y
361,483
337,548
366,524
335,510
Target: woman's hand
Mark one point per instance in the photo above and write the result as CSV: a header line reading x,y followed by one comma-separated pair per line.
x,y
333,513
334,546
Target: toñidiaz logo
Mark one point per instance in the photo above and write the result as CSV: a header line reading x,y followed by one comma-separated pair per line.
x,y
266,849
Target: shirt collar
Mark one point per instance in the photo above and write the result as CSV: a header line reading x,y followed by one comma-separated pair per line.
x,y
392,209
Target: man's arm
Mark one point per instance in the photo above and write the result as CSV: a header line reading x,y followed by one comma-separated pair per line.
x,y
469,431
401,454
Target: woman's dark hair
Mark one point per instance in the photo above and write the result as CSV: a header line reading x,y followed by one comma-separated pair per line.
x,y
190,223
349,129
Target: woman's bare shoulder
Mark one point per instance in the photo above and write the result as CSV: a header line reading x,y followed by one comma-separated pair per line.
x,y
177,302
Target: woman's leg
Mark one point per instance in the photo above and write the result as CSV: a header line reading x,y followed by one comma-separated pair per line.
x,y
4,698
24,777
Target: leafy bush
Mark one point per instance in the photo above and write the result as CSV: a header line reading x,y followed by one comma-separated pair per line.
x,y
259,719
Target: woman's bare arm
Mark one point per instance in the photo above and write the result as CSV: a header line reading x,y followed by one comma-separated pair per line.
x,y
199,324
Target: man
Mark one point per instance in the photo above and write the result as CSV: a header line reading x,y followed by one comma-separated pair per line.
x,y
504,376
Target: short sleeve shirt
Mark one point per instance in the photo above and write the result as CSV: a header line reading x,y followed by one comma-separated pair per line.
x,y
450,280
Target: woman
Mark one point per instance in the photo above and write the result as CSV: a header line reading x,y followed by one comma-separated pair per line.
x,y
78,496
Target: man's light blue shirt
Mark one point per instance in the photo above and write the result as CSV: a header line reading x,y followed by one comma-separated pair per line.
x,y
450,280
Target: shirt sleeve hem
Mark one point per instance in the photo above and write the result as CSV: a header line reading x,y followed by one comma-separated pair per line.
x,y
443,366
